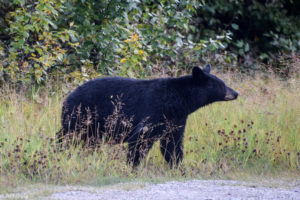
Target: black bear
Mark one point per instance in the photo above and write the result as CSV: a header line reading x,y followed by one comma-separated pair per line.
x,y
140,112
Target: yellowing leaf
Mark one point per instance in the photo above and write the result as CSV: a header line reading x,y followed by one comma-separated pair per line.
x,y
71,24
123,60
32,58
25,64
135,37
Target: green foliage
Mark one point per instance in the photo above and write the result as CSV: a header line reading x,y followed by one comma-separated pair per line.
x,y
34,44
260,30
141,34
79,39
75,40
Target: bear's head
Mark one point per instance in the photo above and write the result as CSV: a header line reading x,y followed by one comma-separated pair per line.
x,y
211,87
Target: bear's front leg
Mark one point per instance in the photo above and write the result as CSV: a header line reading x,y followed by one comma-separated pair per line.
x,y
171,147
137,150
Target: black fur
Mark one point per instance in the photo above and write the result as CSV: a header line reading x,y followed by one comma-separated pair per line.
x,y
141,111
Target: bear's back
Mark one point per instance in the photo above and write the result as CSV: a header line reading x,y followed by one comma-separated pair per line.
x,y
101,93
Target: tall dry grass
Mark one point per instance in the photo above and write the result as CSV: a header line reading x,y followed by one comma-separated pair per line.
x,y
258,133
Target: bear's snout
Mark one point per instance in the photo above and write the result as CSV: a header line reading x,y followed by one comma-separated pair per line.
x,y
230,94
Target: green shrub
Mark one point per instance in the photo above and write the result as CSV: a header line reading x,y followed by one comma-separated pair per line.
x,y
79,40
32,43
260,30
75,40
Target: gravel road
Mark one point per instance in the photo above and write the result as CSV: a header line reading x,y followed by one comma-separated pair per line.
x,y
195,189
175,190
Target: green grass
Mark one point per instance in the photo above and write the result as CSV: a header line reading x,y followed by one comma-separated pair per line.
x,y
256,135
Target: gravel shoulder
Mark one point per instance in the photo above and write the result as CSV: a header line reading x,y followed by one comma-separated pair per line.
x,y
193,189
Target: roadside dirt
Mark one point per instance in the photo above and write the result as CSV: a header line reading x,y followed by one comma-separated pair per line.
x,y
195,189
175,190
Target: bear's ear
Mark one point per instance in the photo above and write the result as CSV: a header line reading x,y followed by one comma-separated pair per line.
x,y
207,68
198,73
